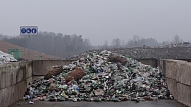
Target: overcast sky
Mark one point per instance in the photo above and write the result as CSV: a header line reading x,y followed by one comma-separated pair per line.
x,y
100,20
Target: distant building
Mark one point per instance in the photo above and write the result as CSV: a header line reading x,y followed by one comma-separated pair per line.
x,y
186,44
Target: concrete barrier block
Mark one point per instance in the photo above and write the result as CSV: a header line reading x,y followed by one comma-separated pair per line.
x,y
171,69
1,98
162,65
13,83
10,95
28,69
11,76
2,77
151,61
5,79
7,76
28,80
21,88
0,80
189,100
188,78
41,67
184,94
19,91
6,98
183,70
168,67
172,86
20,75
186,74
178,78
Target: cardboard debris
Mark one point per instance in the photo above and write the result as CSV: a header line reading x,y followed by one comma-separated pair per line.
x,y
56,70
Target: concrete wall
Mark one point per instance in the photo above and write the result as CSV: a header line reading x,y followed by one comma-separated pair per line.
x,y
14,78
178,78
40,67
149,61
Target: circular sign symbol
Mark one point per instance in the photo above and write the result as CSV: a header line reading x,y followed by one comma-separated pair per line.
x,y
34,30
23,30
28,30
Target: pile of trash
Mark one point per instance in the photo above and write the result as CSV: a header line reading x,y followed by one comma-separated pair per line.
x,y
103,76
5,58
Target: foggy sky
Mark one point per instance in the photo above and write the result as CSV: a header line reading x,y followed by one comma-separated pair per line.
x,y
100,20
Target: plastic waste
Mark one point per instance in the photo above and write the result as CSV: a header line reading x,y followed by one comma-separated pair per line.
x,y
103,76
5,58
30,102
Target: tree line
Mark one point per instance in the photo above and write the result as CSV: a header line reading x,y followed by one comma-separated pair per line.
x,y
53,44
64,46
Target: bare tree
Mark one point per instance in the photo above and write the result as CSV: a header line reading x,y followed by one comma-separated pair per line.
x,y
136,38
54,44
176,39
87,42
116,43
105,44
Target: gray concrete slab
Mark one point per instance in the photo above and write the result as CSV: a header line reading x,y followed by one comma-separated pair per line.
x,y
160,103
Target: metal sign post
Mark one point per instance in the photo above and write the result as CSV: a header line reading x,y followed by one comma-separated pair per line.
x,y
29,49
28,31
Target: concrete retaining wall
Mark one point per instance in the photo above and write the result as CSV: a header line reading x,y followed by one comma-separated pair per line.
x,y
40,67
178,78
149,61
14,78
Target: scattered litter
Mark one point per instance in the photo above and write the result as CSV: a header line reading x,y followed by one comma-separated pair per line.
x,y
30,102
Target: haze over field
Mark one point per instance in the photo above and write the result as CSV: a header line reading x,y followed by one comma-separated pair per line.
x,y
100,20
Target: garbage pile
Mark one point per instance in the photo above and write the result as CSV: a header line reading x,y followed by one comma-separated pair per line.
x,y
103,76
5,58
